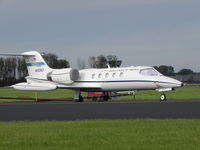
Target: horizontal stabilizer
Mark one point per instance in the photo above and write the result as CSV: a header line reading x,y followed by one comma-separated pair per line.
x,y
34,86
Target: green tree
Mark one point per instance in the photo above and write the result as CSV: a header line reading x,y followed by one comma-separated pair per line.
x,y
1,67
1,71
22,69
13,70
92,61
62,63
102,61
185,72
53,61
165,70
113,61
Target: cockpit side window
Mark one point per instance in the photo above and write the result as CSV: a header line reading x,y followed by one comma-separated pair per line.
x,y
148,72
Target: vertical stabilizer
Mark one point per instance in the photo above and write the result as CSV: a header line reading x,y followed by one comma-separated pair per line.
x,y
36,65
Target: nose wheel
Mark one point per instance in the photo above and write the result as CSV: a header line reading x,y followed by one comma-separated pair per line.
x,y
163,97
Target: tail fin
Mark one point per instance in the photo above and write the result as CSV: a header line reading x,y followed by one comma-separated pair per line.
x,y
36,65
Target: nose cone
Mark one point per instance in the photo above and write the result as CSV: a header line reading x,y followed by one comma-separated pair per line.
x,y
167,82
175,83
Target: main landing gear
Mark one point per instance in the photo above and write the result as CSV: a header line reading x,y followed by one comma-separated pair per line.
x,y
101,98
78,97
163,97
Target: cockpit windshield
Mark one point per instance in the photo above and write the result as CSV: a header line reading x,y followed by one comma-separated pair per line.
x,y
148,72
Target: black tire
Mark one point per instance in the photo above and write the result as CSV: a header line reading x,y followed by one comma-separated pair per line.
x,y
100,99
105,98
79,100
163,97
94,99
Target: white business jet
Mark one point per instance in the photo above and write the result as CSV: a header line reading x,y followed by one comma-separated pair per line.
x,y
43,78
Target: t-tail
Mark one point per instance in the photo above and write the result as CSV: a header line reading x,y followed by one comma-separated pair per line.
x,y
36,65
37,72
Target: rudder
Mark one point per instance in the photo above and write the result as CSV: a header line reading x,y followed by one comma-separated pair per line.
x,y
36,65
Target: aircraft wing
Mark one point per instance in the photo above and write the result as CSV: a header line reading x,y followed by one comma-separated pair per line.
x,y
82,87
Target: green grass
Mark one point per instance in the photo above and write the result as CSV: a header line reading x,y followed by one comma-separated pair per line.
x,y
188,92
50,94
146,134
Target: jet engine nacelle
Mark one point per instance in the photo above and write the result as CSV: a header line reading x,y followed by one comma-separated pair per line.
x,y
34,86
64,76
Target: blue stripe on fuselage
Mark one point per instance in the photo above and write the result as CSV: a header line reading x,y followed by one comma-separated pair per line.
x,y
35,64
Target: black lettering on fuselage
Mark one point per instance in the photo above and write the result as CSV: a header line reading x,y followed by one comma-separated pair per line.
x,y
39,70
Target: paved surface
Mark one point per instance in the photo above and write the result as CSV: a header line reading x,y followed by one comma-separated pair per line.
x,y
107,110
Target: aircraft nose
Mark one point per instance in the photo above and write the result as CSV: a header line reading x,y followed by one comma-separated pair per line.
x,y
177,83
170,83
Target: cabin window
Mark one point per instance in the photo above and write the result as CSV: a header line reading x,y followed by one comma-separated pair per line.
x,y
106,75
121,74
100,75
113,75
149,72
93,75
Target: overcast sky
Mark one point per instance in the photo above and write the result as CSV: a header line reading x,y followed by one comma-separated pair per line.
x,y
140,32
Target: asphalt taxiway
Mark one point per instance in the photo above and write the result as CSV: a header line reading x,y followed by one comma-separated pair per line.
x,y
20,111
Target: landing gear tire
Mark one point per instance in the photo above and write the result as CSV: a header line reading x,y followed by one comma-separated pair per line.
x,y
105,98
80,99
163,97
94,99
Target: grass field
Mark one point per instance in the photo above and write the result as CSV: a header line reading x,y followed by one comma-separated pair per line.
x,y
137,134
188,92
147,134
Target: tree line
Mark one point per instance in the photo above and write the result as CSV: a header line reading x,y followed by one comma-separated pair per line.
x,y
169,71
13,69
102,61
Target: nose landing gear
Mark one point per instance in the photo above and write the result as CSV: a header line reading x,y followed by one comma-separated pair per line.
x,y
163,97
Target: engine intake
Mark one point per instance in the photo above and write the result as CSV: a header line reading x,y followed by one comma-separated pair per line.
x,y
64,76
